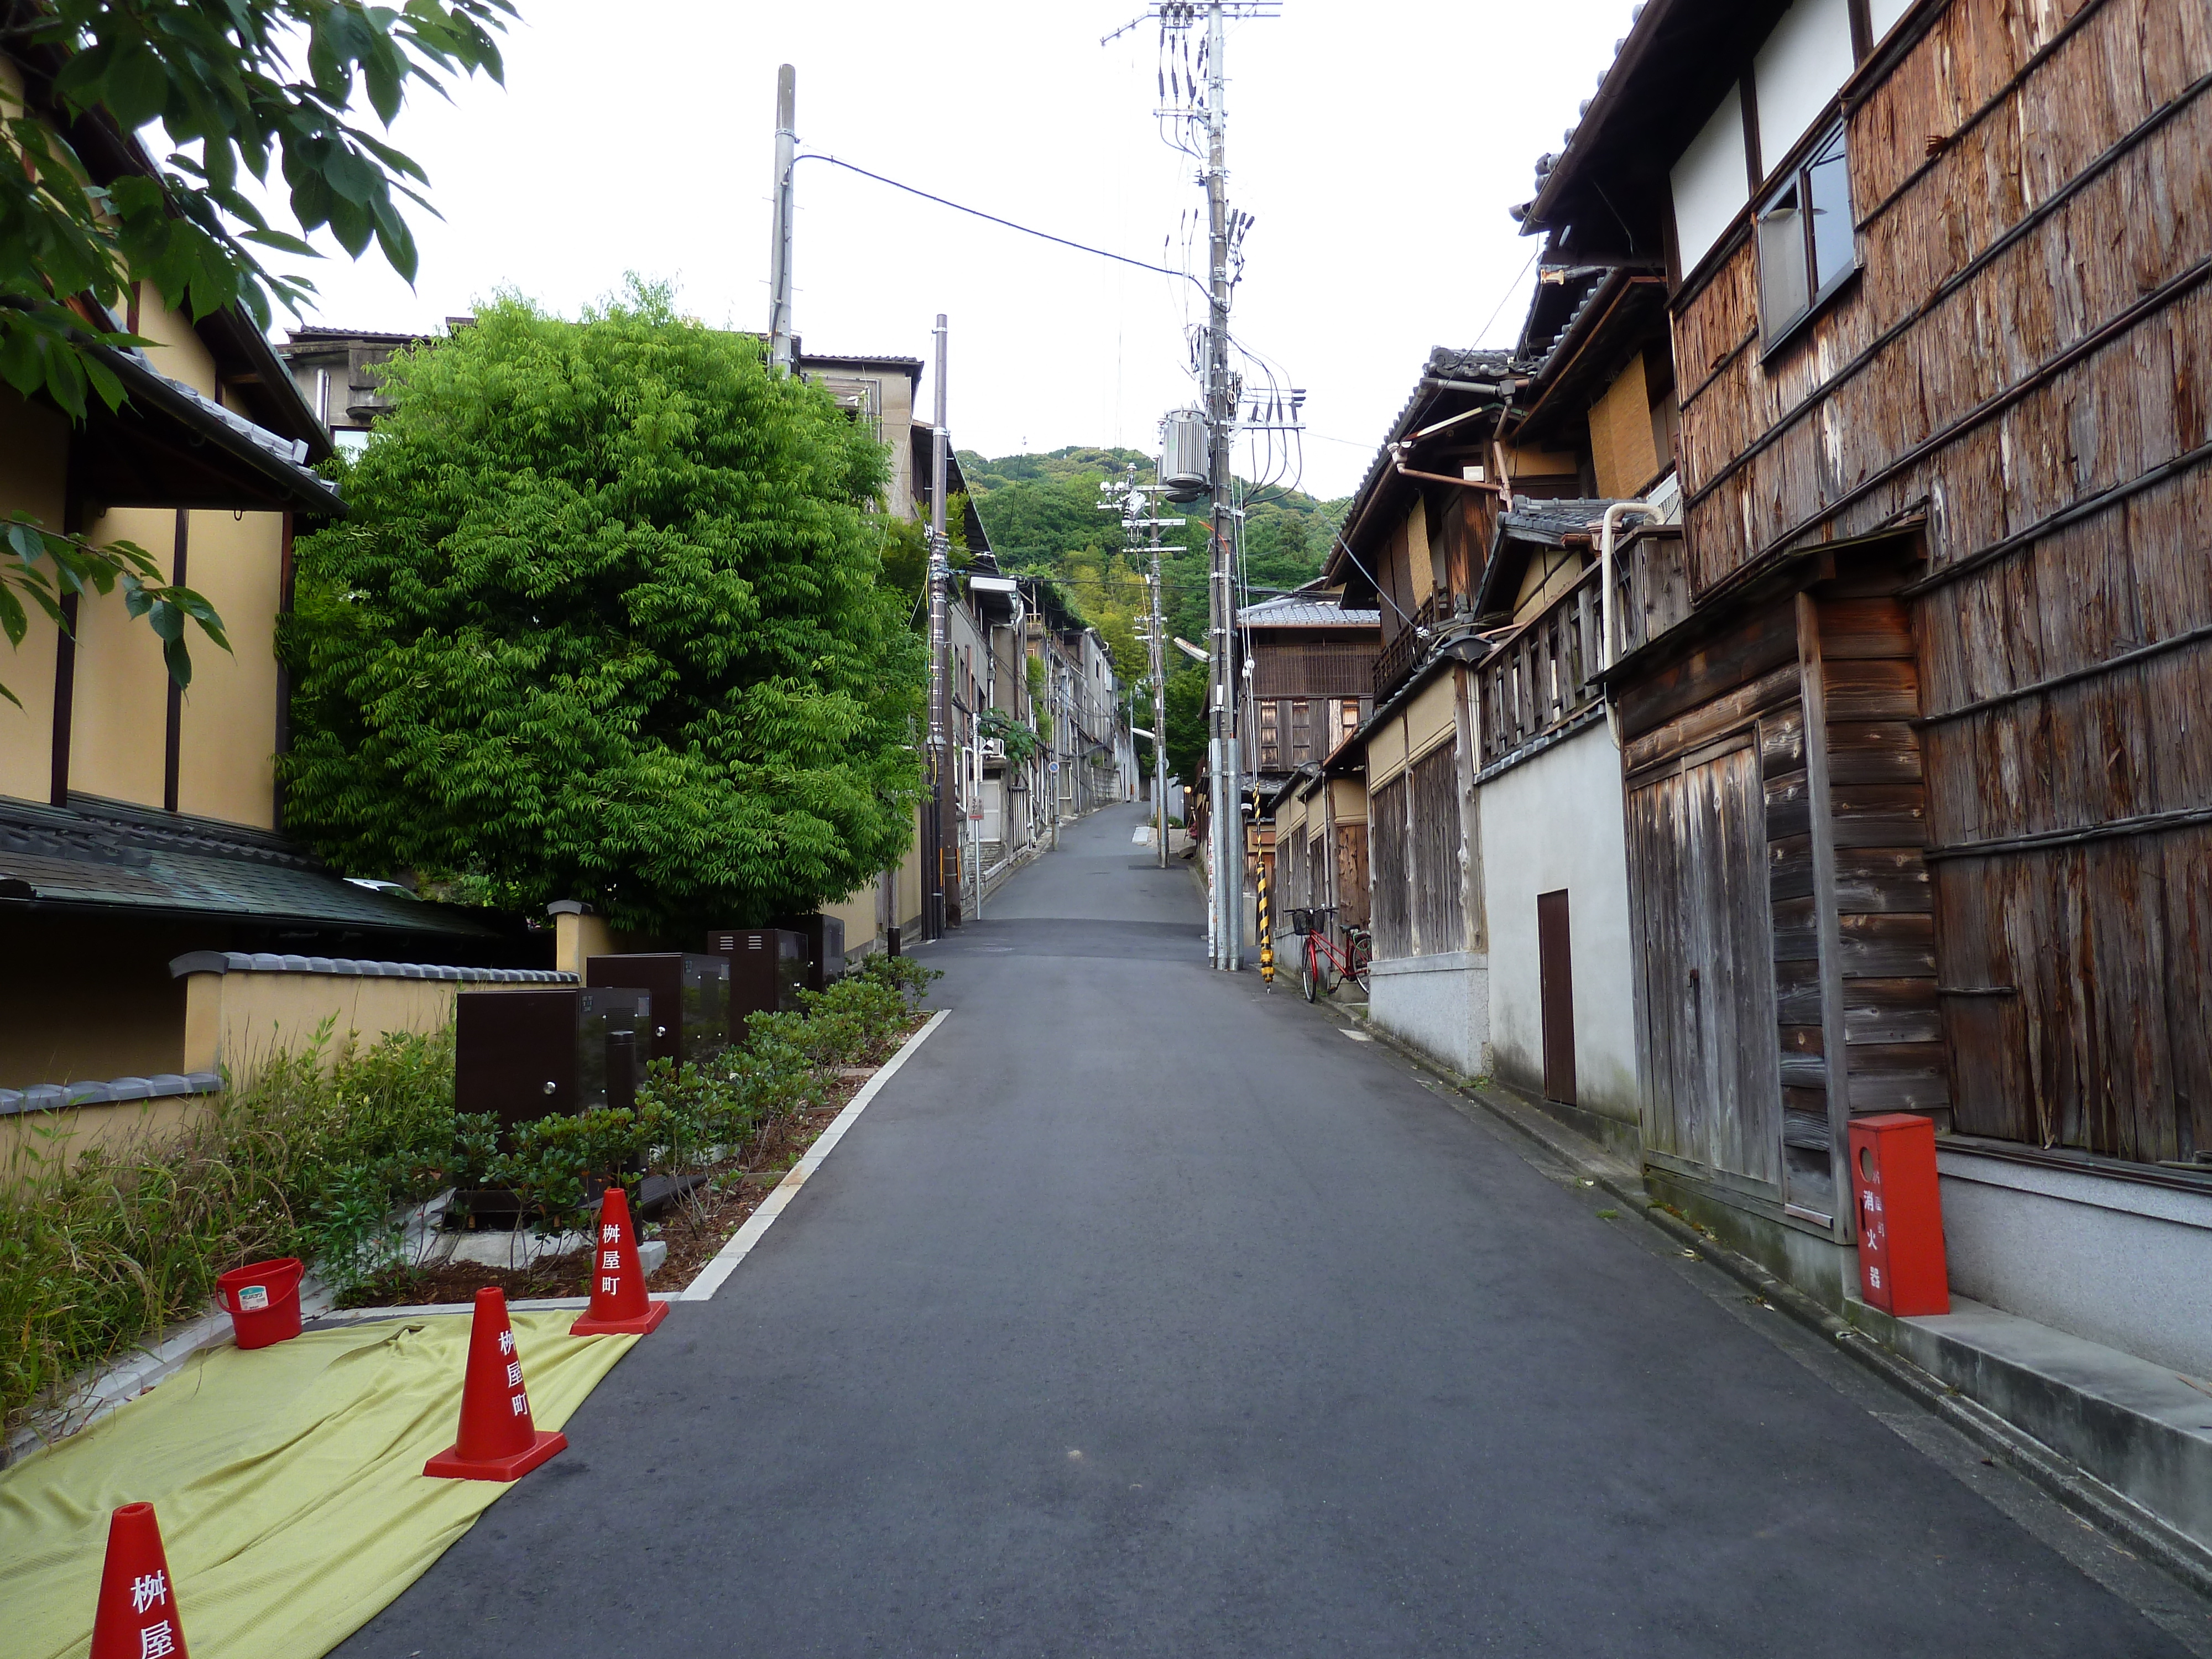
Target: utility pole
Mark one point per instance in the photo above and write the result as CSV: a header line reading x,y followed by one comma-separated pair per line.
x,y
1224,792
779,260
1159,643
939,567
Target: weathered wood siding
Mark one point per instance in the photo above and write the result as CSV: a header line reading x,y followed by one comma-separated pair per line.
x,y
1391,918
2022,370
1709,780
1440,916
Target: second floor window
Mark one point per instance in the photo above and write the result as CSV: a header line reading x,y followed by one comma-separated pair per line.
x,y
1806,244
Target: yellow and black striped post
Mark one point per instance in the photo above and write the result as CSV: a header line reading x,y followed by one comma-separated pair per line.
x,y
1266,933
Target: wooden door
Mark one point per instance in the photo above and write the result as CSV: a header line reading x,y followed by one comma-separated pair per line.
x,y
1352,906
1556,995
1704,939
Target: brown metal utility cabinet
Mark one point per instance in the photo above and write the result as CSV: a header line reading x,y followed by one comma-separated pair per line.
x,y
825,947
691,992
768,971
527,1054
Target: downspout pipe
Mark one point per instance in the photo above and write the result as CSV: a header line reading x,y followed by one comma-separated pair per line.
x,y
1609,526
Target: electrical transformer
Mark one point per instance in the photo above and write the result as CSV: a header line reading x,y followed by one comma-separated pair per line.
x,y
1186,467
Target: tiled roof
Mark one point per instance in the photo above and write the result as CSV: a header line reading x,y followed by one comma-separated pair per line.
x,y
1551,521
1547,163
148,861
1293,611
1443,363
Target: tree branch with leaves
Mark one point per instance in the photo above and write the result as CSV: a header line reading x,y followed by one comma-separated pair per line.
x,y
223,79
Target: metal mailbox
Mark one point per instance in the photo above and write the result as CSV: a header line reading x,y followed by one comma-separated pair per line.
x,y
527,1054
690,993
768,971
1900,1214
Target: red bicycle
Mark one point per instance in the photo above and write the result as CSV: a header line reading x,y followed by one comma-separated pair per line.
x,y
1323,964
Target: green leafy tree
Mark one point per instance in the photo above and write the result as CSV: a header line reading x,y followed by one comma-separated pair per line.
x,y
1186,732
220,77
606,623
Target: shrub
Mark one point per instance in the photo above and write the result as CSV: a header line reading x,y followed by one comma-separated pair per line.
x,y
98,1248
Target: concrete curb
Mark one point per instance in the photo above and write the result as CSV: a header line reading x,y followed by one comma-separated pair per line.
x,y
2073,1486
712,1276
123,1381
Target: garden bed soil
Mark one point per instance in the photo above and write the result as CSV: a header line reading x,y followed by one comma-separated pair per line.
x,y
693,1229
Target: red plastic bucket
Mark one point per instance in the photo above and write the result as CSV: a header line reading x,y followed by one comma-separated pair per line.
x,y
262,1300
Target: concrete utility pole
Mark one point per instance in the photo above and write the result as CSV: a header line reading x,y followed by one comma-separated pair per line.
x,y
1224,792
1159,655
779,260
939,569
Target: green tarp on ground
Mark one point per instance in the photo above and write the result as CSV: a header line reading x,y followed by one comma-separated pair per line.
x,y
288,1481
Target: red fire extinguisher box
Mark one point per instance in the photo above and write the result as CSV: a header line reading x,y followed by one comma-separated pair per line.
x,y
1900,1214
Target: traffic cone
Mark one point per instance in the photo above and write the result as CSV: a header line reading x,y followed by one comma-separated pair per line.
x,y
498,1441
619,1304
137,1614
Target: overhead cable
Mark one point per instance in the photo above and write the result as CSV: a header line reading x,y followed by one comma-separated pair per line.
x,y
1026,230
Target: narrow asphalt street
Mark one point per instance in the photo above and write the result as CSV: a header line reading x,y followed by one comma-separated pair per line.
x,y
1147,1313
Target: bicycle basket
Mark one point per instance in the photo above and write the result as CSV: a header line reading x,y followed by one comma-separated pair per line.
x,y
1302,922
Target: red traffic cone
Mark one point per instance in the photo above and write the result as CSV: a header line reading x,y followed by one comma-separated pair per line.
x,y
138,1616
619,1304
498,1440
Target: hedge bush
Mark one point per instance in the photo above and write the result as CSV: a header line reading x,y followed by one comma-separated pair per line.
x,y
321,1154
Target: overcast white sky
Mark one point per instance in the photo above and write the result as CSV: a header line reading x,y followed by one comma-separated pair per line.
x,y
1377,145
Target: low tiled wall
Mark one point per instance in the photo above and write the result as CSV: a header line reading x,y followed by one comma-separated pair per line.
x,y
239,1009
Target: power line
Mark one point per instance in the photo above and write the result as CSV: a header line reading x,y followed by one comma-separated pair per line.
x,y
1026,230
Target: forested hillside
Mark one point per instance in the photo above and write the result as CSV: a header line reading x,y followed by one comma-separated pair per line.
x,y
1042,514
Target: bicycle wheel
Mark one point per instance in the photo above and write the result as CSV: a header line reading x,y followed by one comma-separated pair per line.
x,y
1307,977
1360,953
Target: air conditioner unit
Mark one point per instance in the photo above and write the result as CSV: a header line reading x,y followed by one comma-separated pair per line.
x,y
1186,463
994,749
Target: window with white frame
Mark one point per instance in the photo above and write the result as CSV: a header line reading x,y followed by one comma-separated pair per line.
x,y
1806,243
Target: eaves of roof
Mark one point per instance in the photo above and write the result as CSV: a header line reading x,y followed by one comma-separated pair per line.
x,y
277,462
1447,369
243,356
1464,647
116,862
1674,53
1283,613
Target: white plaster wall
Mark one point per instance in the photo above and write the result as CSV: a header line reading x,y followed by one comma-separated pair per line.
x,y
1438,1004
1885,13
1710,181
2115,1261
1797,70
1559,821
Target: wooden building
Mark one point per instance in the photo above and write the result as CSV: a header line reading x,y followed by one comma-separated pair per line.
x,y
1919,796
1309,684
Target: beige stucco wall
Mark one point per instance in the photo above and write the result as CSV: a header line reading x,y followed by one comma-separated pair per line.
x,y
1386,754
1552,572
33,465
1416,727
30,1139
177,351
119,716
226,753
577,937
236,1021
1521,463
1430,718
